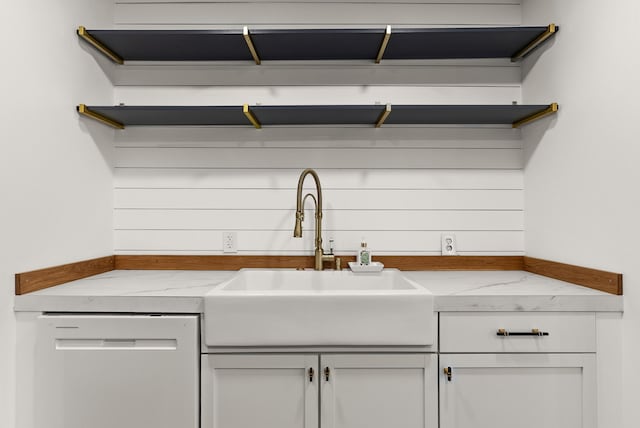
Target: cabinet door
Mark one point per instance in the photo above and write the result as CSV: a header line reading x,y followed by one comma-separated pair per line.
x,y
518,390
380,390
267,391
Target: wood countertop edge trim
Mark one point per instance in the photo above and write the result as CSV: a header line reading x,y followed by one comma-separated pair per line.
x,y
234,262
609,282
28,282
40,279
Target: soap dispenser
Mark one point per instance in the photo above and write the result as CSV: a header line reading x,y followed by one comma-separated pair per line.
x,y
364,255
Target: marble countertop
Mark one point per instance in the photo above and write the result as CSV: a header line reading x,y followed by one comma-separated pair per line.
x,y
166,291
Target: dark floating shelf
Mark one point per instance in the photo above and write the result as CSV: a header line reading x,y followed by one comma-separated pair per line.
x,y
465,43
318,114
317,44
292,45
464,114
374,115
170,115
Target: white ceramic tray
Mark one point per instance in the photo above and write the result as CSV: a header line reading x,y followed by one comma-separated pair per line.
x,y
373,267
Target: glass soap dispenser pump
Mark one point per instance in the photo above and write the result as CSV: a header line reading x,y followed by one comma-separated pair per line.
x,y
364,254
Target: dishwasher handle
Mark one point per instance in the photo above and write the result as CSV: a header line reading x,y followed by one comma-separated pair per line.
x,y
534,332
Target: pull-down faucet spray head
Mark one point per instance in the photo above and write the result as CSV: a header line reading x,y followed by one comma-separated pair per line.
x,y
297,230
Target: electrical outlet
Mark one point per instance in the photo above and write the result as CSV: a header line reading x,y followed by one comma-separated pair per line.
x,y
448,242
229,242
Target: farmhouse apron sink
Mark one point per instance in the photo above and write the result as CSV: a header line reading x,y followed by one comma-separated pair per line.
x,y
281,307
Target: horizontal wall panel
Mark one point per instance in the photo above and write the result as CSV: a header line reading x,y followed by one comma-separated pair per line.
x,y
364,2
273,14
177,189
398,73
316,95
334,199
329,178
347,241
335,220
322,137
319,158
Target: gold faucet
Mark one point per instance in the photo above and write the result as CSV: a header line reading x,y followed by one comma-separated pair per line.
x,y
320,256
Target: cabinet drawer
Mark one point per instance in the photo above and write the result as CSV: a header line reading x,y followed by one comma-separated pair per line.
x,y
516,332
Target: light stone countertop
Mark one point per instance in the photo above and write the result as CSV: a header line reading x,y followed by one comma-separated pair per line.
x,y
172,291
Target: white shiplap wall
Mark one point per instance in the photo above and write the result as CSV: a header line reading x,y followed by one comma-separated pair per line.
x,y
178,189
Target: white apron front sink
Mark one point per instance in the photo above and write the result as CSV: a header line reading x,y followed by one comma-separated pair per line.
x,y
281,307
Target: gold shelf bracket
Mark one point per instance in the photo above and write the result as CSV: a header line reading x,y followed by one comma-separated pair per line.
x,y
250,45
551,30
383,116
104,49
247,112
86,111
383,46
552,109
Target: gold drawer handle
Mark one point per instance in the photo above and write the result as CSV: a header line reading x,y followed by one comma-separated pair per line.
x,y
534,332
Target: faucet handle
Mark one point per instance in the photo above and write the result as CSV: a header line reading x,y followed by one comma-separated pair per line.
x,y
338,263
330,246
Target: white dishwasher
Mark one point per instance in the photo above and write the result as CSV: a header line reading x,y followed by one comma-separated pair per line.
x,y
125,371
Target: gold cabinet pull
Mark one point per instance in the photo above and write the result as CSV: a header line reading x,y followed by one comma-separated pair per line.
x,y
311,373
534,332
326,373
448,373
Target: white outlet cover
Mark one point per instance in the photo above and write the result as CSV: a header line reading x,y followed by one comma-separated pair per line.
x,y
448,244
229,242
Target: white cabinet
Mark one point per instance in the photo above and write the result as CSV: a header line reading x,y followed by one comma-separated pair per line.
x,y
279,391
518,390
513,332
103,371
380,390
547,377
352,390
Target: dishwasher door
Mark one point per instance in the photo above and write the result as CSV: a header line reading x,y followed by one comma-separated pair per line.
x,y
133,371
